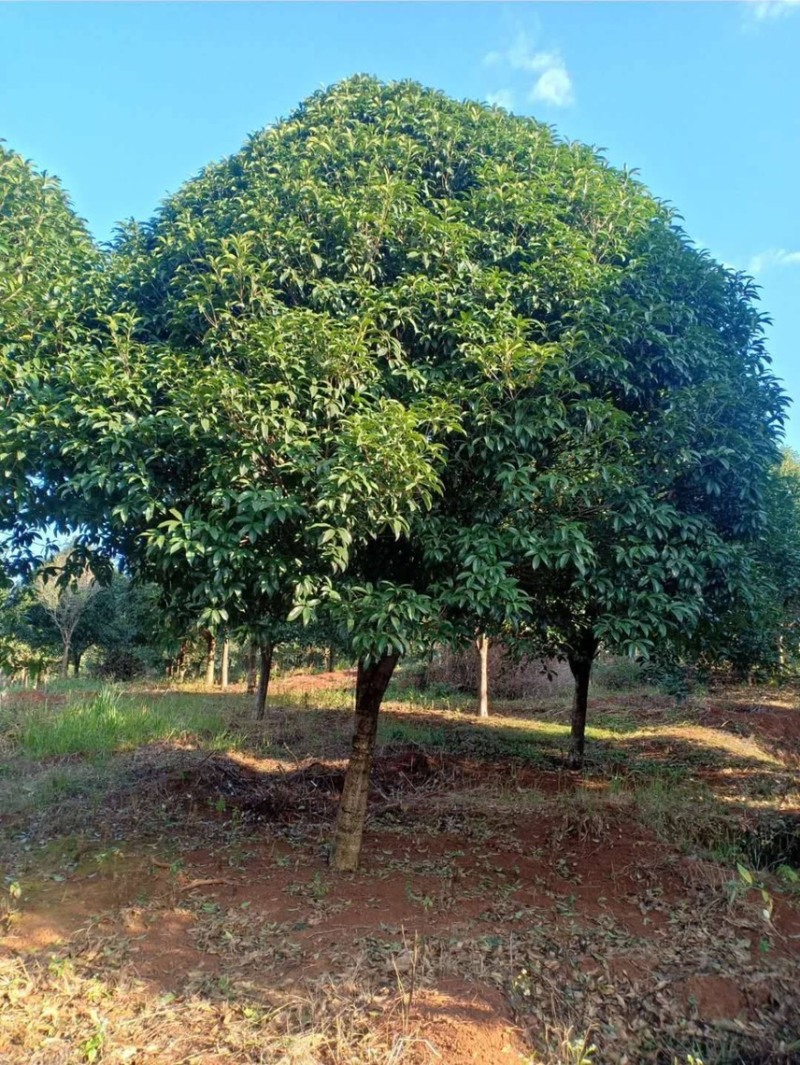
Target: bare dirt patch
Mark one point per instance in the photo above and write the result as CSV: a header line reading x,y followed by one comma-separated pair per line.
x,y
465,1025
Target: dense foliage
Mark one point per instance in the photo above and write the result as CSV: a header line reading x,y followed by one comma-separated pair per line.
x,y
423,368
48,303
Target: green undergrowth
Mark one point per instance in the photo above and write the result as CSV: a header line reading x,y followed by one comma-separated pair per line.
x,y
57,750
534,746
107,722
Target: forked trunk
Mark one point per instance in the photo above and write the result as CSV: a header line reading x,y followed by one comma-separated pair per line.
x,y
580,662
483,685
371,685
211,652
226,657
265,670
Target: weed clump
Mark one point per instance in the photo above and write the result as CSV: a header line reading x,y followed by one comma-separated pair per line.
x,y
107,722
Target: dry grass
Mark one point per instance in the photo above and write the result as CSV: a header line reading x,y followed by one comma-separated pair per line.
x,y
170,902
61,1013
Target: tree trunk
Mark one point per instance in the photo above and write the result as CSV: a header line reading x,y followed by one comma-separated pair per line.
x,y
580,660
211,652
483,685
64,668
180,663
331,659
370,688
76,663
226,656
251,669
265,653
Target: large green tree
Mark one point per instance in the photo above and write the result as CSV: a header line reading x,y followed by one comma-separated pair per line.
x,y
679,354
750,624
49,268
423,367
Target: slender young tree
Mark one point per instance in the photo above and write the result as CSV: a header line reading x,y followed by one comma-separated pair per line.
x,y
482,646
65,598
210,657
225,661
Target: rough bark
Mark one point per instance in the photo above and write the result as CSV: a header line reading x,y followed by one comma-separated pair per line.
x,y
371,684
581,659
483,684
265,670
211,652
224,665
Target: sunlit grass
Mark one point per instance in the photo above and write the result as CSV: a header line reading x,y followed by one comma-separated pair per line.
x,y
106,722
110,720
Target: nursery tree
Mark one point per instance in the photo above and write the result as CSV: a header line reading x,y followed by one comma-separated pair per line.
x,y
65,599
412,364
20,657
48,269
750,625
779,554
679,352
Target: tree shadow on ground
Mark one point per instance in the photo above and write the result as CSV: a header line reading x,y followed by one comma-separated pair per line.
x,y
221,900
468,822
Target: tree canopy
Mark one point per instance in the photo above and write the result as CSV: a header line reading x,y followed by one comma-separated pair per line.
x,y
48,301
426,366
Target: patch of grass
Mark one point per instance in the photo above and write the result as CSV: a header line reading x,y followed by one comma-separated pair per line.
x,y
65,686
438,696
282,696
60,784
107,722
687,816
395,731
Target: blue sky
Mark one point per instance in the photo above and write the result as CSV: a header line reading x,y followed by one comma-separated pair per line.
x,y
124,101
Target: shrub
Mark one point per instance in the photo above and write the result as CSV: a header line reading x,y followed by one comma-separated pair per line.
x,y
618,674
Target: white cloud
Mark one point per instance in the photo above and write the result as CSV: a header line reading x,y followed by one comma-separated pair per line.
x,y
554,87
553,84
769,9
502,98
772,258
521,56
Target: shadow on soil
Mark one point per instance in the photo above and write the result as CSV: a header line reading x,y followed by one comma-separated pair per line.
x,y
458,832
